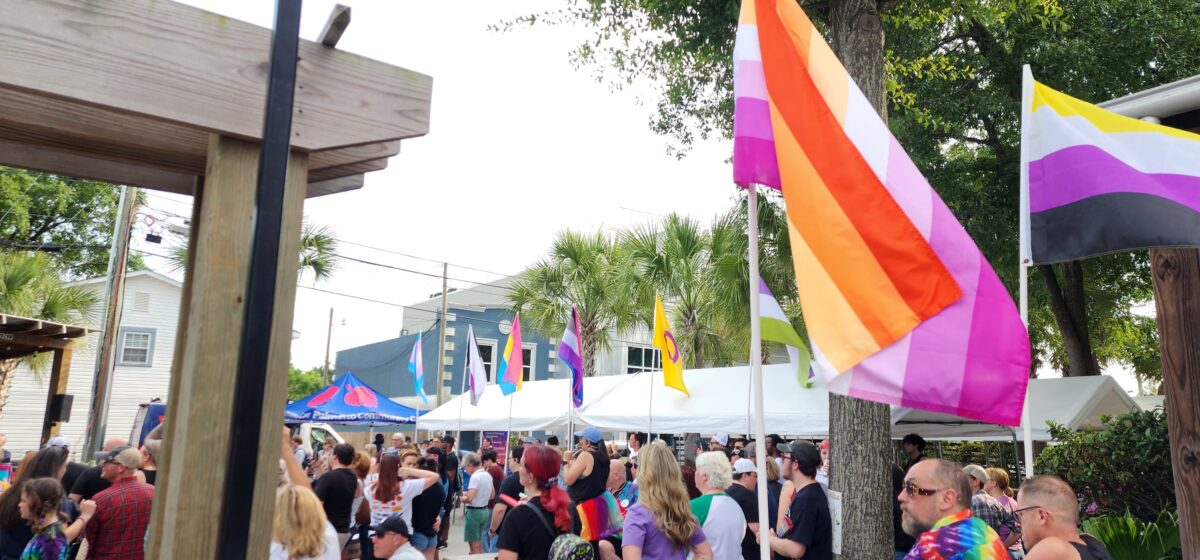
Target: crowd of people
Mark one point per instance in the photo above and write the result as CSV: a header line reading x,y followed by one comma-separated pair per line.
x,y
594,500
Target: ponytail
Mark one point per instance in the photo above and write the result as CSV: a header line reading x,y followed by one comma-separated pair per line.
x,y
543,464
555,500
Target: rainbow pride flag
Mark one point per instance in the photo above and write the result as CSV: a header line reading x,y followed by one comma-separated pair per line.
x,y
901,306
1099,182
512,361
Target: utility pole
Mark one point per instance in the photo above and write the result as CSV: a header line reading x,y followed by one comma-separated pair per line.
x,y
328,339
114,287
441,361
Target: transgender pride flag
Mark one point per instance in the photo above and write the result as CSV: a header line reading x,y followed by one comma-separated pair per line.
x,y
900,305
417,371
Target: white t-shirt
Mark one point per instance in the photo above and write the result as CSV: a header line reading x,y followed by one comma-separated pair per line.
x,y
332,550
409,489
724,524
407,552
481,481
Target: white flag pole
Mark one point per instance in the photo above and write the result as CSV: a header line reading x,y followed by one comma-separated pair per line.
x,y
1025,249
760,430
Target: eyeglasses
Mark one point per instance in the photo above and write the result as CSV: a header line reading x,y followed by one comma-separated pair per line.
x,y
914,490
1018,511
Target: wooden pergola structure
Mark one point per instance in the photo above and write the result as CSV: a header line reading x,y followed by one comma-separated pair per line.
x,y
170,97
21,337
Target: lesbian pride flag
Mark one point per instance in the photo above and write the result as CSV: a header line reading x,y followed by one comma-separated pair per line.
x,y
1099,182
900,305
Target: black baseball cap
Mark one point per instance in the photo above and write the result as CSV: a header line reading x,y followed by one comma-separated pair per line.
x,y
803,452
393,524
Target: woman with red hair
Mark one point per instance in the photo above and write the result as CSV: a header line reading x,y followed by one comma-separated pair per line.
x,y
530,529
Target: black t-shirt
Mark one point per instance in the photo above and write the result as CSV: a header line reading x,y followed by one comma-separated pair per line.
x,y
809,523
336,490
73,471
511,486
749,503
592,485
426,507
151,476
1091,549
89,483
524,534
453,472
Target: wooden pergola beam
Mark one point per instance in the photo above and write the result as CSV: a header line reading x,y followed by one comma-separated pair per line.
x,y
204,71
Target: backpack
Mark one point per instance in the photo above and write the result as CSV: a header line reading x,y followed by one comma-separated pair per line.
x,y
567,546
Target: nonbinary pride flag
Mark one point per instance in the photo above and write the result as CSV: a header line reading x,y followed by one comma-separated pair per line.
x,y
664,340
475,372
568,352
418,372
1100,182
512,361
900,305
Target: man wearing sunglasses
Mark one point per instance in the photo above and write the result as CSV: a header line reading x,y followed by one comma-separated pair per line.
x,y
1049,514
935,505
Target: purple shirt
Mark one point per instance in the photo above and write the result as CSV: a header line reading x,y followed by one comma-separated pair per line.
x,y
640,531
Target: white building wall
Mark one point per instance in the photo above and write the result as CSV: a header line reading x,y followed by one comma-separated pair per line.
x,y
151,302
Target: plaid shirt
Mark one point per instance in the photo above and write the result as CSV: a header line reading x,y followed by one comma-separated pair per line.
x,y
991,512
118,529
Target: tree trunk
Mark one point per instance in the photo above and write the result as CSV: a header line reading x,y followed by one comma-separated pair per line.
x,y
1068,302
587,332
8,370
860,441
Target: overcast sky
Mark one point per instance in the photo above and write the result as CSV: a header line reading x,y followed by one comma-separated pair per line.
x,y
521,146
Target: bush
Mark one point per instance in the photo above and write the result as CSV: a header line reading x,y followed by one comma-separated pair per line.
x,y
1127,538
1123,467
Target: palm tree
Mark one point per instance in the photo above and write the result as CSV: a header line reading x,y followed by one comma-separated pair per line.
x,y
585,271
318,253
30,287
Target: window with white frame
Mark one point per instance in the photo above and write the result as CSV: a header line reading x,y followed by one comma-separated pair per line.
x,y
487,353
642,358
137,347
528,355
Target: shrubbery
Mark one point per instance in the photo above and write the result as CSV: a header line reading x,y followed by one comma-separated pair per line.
x,y
1123,467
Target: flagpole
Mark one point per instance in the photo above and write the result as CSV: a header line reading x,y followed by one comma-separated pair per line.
x,y
756,378
650,407
463,393
1025,253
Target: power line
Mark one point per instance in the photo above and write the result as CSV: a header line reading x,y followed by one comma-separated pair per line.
x,y
382,250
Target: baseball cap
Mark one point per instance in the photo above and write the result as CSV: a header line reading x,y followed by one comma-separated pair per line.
x,y
529,439
591,434
722,439
124,455
742,466
393,524
802,451
977,472
57,441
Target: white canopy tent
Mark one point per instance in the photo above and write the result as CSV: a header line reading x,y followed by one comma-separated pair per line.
x,y
719,402
1074,402
539,405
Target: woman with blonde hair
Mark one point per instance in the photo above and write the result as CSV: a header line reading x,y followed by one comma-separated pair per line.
x,y
300,530
997,487
660,526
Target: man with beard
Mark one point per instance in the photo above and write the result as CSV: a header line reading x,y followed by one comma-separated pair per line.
x,y
935,507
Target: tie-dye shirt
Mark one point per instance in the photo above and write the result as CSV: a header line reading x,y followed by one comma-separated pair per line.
x,y
959,537
48,544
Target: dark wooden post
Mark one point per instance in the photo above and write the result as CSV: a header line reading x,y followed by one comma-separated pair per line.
x,y
59,374
1176,275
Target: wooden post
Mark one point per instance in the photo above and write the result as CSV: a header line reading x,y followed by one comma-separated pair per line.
x,y
1176,275
59,373
196,441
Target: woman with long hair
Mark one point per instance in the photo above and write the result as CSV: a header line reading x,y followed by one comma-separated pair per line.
x,y
15,533
300,530
660,526
596,515
427,511
392,489
530,528
688,472
40,499
997,487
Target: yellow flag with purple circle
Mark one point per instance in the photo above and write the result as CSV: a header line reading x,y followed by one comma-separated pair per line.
x,y
664,340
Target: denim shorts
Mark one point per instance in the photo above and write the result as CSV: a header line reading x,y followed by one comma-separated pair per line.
x,y
421,541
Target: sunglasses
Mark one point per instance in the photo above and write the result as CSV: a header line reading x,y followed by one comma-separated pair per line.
x,y
914,490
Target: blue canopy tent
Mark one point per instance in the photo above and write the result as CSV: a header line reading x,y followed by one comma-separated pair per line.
x,y
350,401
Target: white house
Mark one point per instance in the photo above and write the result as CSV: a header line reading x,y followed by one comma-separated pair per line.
x,y
145,346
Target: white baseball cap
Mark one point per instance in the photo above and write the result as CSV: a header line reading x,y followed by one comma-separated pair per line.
x,y
743,466
722,439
